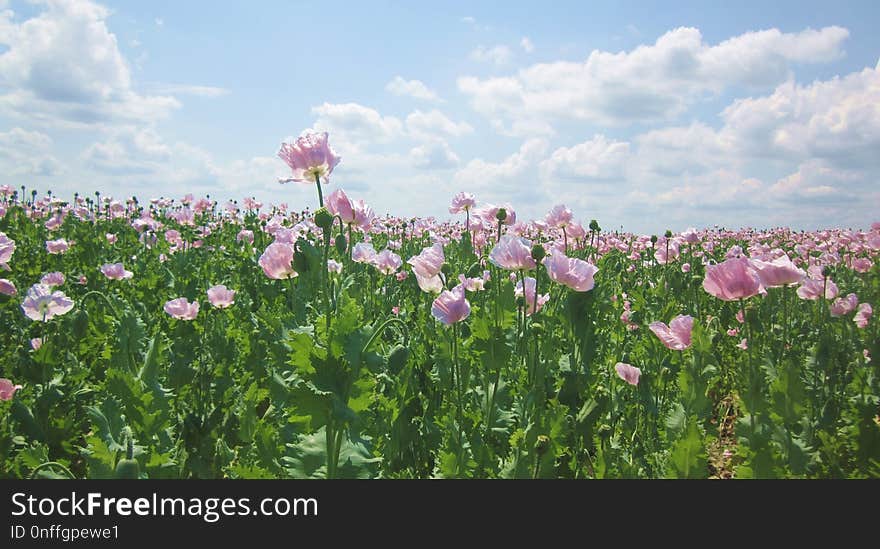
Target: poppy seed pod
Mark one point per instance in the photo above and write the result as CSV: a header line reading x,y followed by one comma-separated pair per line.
x,y
538,253
323,218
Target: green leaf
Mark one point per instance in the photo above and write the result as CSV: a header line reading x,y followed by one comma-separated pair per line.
x,y
99,458
308,458
688,457
149,371
22,414
302,344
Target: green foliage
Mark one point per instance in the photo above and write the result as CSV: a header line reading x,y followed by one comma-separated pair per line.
x,y
297,379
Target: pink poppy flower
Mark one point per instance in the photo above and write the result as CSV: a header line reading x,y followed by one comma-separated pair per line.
x,y
812,289
473,284
429,262
731,280
57,246
111,238
53,279
744,344
862,265
115,271
182,309
363,215
661,254
462,202
309,157
513,253
690,235
339,204
36,343
7,389
628,372
575,273
277,261
844,305
560,216
778,272
387,262
220,296
43,304
676,336
363,252
733,332
245,235
685,267
529,295
7,248
7,287
334,266
451,306
863,314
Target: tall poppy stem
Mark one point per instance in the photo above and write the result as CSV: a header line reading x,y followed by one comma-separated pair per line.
x,y
320,194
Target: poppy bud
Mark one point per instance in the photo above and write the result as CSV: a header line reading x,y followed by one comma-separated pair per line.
x,y
538,252
341,243
323,218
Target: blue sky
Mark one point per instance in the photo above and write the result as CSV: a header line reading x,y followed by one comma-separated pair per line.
x,y
645,115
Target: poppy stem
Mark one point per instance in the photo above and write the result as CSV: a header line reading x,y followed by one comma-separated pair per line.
x,y
458,387
320,194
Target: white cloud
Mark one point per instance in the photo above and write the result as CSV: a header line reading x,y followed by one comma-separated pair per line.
x,y
837,120
424,125
356,122
597,158
189,89
678,150
64,67
527,44
482,173
651,82
27,153
129,150
813,179
434,156
411,88
159,22
474,24
497,55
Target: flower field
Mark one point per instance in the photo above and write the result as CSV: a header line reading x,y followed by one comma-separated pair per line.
x,y
191,338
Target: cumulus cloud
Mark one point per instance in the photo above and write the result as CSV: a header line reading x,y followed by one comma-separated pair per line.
x,y
129,150
27,153
527,45
651,82
411,88
434,156
837,120
433,123
64,67
189,89
597,158
355,121
497,55
482,173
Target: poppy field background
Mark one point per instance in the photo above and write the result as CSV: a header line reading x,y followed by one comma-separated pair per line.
x,y
207,339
